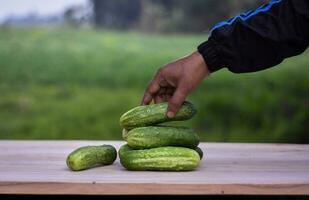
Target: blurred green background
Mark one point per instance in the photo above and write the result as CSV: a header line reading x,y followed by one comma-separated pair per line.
x,y
68,82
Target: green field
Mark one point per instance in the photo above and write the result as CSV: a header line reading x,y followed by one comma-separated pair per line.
x,y
75,84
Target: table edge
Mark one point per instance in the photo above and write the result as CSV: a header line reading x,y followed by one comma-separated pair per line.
x,y
66,188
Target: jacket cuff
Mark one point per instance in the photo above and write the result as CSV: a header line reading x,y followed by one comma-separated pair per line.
x,y
209,51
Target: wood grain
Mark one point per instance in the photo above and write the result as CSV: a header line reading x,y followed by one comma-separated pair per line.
x,y
38,167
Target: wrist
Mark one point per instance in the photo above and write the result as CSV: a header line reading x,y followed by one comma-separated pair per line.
x,y
201,63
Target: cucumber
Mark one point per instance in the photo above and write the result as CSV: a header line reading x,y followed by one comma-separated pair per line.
x,y
159,159
159,136
199,151
154,114
91,156
125,134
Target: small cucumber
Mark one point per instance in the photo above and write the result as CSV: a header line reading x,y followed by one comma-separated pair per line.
x,y
91,156
154,114
159,159
160,136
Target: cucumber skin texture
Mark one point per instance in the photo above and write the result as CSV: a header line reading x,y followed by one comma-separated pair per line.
x,y
154,114
125,134
160,136
200,152
159,159
90,156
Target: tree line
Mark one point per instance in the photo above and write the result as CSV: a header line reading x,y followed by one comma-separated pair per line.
x,y
167,15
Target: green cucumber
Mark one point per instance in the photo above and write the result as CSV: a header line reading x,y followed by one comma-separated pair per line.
x,y
160,136
91,156
125,134
154,114
159,159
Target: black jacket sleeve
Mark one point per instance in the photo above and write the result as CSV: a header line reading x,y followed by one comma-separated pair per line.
x,y
258,39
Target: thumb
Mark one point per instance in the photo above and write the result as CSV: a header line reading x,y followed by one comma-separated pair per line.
x,y
176,101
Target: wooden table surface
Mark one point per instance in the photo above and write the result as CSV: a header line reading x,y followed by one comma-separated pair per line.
x,y
38,167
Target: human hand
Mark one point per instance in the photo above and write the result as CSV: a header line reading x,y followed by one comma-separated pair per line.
x,y
174,81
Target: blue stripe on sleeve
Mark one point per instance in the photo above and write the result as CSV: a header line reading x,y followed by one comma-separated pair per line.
x,y
245,16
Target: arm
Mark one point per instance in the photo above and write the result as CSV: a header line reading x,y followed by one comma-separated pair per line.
x,y
250,42
258,39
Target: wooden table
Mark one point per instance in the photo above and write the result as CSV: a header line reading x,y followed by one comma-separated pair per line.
x,y
38,167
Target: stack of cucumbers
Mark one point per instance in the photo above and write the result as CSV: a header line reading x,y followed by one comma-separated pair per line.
x,y
151,146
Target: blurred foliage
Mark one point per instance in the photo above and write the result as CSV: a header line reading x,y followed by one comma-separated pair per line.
x,y
119,14
66,84
168,15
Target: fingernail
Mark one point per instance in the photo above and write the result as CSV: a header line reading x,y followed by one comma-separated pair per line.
x,y
170,114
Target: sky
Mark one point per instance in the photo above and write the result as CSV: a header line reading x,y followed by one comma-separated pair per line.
x,y
41,7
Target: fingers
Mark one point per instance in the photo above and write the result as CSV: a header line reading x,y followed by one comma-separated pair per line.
x,y
167,97
164,95
169,91
168,94
157,85
159,99
176,101
151,90
160,96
